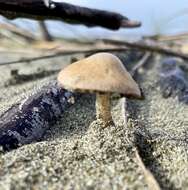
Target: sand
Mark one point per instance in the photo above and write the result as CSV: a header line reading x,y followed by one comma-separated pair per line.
x,y
77,153
161,131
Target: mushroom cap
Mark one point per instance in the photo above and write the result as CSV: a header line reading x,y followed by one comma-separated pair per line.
x,y
101,72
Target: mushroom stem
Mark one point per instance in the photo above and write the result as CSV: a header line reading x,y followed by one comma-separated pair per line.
x,y
103,108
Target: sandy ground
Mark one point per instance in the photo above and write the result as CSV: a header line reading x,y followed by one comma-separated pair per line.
x,y
161,131
76,153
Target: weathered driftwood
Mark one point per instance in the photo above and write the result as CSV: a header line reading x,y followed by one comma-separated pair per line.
x,y
173,81
47,9
27,121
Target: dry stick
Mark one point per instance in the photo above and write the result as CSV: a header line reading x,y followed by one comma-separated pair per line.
x,y
151,181
165,38
148,47
23,60
9,36
20,51
18,31
47,9
183,36
46,36
141,63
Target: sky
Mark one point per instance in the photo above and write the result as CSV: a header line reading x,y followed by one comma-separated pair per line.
x,y
157,17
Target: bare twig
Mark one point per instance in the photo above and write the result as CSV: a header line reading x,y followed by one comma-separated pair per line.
x,y
40,10
148,47
151,181
44,31
167,38
19,51
140,63
9,36
18,31
23,60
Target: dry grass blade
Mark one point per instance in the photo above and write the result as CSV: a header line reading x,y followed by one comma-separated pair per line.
x,y
124,112
141,63
151,181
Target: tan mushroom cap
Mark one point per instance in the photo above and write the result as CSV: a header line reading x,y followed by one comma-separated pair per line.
x,y
101,72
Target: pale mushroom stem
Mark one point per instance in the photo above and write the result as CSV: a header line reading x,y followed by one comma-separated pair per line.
x,y
103,108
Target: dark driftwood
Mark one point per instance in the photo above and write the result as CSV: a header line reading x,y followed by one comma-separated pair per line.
x,y
173,81
27,121
148,47
42,9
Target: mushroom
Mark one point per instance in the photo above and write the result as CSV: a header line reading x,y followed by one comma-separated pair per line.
x,y
103,74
